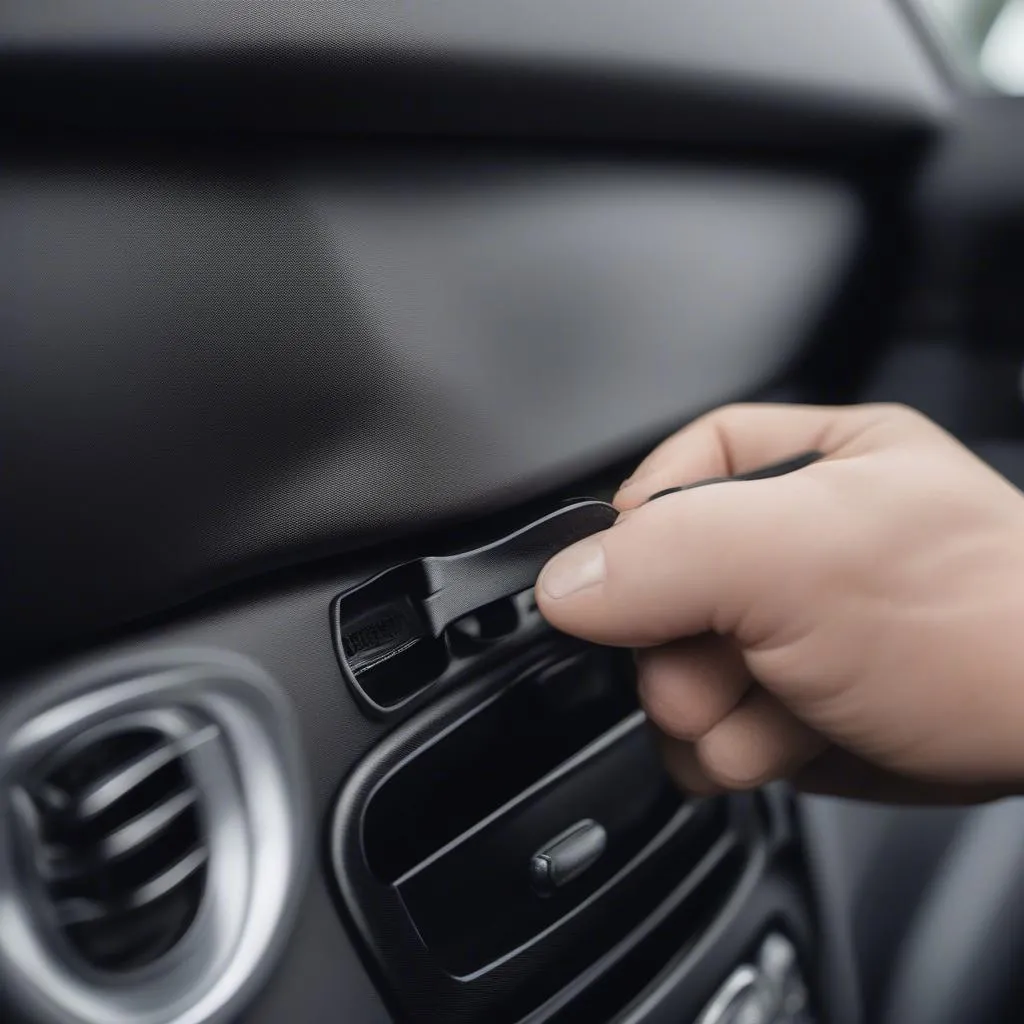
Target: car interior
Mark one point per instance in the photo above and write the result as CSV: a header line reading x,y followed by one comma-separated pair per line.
x,y
323,323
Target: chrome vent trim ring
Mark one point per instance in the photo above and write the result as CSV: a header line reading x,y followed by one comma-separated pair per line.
x,y
236,734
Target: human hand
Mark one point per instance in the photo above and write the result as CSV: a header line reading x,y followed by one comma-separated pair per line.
x,y
857,625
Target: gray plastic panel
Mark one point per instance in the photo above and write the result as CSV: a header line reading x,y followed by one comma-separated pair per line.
x,y
208,372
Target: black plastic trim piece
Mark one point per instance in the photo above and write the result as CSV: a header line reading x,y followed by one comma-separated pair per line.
x,y
461,583
393,625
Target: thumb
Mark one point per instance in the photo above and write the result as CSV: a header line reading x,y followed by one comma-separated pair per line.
x,y
722,557
685,564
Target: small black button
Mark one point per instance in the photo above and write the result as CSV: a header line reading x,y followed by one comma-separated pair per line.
x,y
567,856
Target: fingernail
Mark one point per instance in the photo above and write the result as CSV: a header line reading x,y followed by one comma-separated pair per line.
x,y
574,569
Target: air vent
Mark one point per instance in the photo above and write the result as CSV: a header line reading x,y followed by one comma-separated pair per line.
x,y
119,844
154,834
436,834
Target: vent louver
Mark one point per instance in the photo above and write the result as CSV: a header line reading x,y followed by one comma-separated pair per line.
x,y
154,838
119,844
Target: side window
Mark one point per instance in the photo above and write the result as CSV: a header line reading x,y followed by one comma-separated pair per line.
x,y
984,38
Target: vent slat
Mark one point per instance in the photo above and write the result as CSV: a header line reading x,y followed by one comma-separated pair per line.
x,y
119,843
65,863
116,786
146,826
82,911
119,783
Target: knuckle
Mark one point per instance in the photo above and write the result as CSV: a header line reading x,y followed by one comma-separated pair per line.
x,y
681,710
663,708
727,413
896,412
729,770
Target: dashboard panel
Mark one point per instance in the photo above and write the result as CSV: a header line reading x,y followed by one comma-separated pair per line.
x,y
244,368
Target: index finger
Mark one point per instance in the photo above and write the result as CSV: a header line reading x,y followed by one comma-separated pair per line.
x,y
741,438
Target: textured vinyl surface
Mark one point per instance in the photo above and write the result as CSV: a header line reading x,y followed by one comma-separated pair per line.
x,y
207,372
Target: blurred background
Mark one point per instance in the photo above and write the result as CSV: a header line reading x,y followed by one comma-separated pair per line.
x,y
985,38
